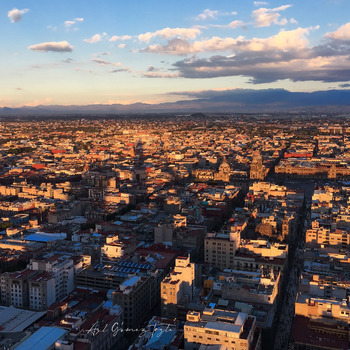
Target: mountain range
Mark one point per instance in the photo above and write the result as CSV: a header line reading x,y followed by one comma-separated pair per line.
x,y
227,101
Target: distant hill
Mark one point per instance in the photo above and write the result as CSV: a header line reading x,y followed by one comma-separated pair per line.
x,y
231,101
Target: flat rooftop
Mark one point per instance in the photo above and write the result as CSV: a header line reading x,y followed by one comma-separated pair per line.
x,y
16,320
44,338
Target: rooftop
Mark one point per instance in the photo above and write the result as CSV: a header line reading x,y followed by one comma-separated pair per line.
x,y
17,320
43,338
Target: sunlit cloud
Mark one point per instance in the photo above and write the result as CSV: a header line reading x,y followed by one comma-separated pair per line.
x,y
95,38
293,39
284,56
213,14
122,38
208,14
264,17
342,33
232,25
168,33
61,46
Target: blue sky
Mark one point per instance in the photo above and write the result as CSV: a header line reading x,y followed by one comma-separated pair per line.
x,y
86,52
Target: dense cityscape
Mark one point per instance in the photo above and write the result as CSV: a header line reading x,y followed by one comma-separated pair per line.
x,y
198,231
175,175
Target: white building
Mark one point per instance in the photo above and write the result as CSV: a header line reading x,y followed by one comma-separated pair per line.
x,y
62,268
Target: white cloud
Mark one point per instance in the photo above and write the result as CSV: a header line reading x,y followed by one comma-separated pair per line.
x,y
342,33
174,46
233,25
207,14
260,3
265,17
95,38
179,46
213,14
69,23
74,21
286,55
15,15
168,33
123,37
61,46
121,46
115,38
293,20
284,40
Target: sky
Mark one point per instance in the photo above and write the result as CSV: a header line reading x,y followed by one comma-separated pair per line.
x,y
81,52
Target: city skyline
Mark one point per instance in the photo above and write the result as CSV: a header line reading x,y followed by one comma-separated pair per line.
x,y
80,53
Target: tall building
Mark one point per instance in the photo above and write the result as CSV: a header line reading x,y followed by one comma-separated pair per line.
x,y
61,266
232,330
135,296
176,286
30,289
220,248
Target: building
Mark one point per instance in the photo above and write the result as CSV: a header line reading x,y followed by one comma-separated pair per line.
x,y
161,333
251,287
314,168
220,248
257,254
257,170
319,334
234,330
322,307
34,290
317,236
43,338
224,172
176,286
62,267
115,248
322,312
135,295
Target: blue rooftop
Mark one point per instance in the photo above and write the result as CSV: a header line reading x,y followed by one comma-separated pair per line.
x,y
42,238
160,338
43,338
